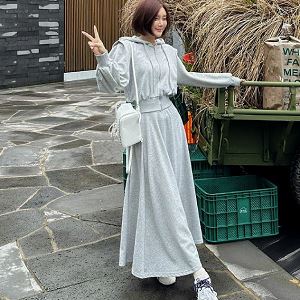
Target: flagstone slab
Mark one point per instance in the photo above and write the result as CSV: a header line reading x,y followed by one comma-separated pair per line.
x,y
24,126
105,230
43,196
209,260
58,102
16,281
50,120
239,296
112,170
72,232
5,114
106,152
72,144
100,127
53,140
17,143
117,283
20,171
224,282
19,156
94,135
77,179
79,98
86,202
88,103
84,92
61,269
28,114
22,181
111,216
98,101
57,132
18,102
90,112
27,107
122,286
65,112
74,125
278,285
38,243
24,136
11,199
70,158
54,215
102,118
28,93
5,144
18,224
233,256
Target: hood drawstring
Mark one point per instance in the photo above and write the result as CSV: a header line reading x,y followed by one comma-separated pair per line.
x,y
169,65
153,82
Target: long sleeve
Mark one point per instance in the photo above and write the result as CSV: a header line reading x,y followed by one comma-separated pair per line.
x,y
112,73
208,80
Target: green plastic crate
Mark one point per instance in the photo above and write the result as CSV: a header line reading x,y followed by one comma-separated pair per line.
x,y
200,166
237,207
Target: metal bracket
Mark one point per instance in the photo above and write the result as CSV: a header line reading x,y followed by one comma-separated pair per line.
x,y
282,146
220,101
223,141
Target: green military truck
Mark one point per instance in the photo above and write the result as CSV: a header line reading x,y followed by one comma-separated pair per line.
x,y
230,136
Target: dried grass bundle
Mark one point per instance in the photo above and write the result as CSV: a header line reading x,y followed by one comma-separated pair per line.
x,y
126,16
228,36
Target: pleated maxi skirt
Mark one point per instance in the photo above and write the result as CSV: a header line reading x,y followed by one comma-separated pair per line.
x,y
160,224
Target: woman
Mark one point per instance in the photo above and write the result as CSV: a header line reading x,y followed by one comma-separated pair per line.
x,y
160,224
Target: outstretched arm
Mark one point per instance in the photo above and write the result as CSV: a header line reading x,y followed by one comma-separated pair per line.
x,y
208,80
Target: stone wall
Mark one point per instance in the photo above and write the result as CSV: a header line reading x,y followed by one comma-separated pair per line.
x,y
31,42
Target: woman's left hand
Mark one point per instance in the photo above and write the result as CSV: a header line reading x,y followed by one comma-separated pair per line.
x,y
95,43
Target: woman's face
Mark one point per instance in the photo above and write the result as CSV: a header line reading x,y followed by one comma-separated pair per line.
x,y
160,23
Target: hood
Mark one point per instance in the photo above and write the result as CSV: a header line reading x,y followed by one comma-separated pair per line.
x,y
150,55
137,39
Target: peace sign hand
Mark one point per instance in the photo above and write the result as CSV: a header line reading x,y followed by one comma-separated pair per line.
x,y
95,43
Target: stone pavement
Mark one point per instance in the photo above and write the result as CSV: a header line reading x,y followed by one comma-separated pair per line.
x,y
61,198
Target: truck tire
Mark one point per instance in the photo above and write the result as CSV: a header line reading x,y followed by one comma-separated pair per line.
x,y
295,178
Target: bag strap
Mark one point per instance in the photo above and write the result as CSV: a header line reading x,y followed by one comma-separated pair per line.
x,y
134,80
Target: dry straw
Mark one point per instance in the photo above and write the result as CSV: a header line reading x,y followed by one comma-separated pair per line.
x,y
228,36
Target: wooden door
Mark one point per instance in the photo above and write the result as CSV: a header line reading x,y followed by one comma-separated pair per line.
x,y
82,15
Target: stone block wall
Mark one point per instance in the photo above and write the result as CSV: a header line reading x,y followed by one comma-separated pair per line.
x,y
31,42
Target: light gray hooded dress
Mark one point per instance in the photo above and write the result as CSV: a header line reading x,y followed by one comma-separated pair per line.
x,y
160,224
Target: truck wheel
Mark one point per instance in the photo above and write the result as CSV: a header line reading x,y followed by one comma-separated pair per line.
x,y
295,178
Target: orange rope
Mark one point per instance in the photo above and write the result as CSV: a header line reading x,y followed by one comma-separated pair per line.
x,y
188,129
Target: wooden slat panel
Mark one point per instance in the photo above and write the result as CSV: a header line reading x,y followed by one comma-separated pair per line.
x,y
82,15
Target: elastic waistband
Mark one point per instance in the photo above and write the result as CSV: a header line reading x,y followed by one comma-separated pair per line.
x,y
155,104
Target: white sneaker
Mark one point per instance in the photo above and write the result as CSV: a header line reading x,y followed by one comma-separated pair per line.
x,y
167,280
204,290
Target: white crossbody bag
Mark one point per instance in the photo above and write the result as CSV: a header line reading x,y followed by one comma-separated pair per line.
x,y
127,125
